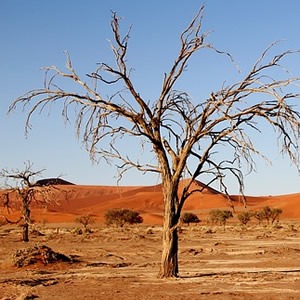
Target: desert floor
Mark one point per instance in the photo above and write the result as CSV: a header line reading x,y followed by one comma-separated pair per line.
x,y
257,262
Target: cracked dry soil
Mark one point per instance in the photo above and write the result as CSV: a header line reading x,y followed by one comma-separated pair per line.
x,y
258,262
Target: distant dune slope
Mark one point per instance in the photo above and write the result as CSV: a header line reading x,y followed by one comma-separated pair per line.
x,y
73,200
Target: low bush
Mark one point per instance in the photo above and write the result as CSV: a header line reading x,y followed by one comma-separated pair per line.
x,y
120,217
245,217
274,215
269,214
189,217
259,216
85,221
219,216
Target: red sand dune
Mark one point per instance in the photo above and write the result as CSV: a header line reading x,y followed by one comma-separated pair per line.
x,y
76,200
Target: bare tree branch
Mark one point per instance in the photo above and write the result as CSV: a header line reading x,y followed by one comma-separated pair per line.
x,y
185,135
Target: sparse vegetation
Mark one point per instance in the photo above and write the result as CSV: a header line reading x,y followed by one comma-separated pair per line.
x,y
245,217
86,220
259,216
120,217
269,214
219,216
273,214
189,217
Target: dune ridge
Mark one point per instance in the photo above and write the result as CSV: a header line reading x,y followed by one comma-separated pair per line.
x,y
73,200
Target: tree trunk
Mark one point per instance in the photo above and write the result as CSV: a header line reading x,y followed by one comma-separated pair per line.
x,y
169,259
26,233
26,219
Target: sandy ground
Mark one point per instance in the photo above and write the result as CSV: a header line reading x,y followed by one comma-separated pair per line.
x,y
257,262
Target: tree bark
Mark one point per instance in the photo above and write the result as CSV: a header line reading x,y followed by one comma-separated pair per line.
x,y
26,218
169,259
25,233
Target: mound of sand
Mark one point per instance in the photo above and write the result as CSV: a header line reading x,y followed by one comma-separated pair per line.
x,y
74,200
38,254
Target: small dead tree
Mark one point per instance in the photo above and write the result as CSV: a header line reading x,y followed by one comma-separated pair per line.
x,y
23,193
85,221
184,135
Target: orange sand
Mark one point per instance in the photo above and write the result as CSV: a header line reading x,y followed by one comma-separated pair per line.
x,y
147,200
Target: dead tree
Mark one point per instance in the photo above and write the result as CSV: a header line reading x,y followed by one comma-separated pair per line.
x,y
183,134
85,221
25,191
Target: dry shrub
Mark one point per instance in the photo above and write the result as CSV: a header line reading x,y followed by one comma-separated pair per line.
x,y
245,217
189,217
85,221
269,214
120,217
219,216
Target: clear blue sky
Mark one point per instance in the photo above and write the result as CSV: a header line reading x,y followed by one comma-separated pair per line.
x,y
34,33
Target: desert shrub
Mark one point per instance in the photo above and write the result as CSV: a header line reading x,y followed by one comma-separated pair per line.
x,y
259,216
219,216
275,212
269,214
120,217
85,221
189,217
245,217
